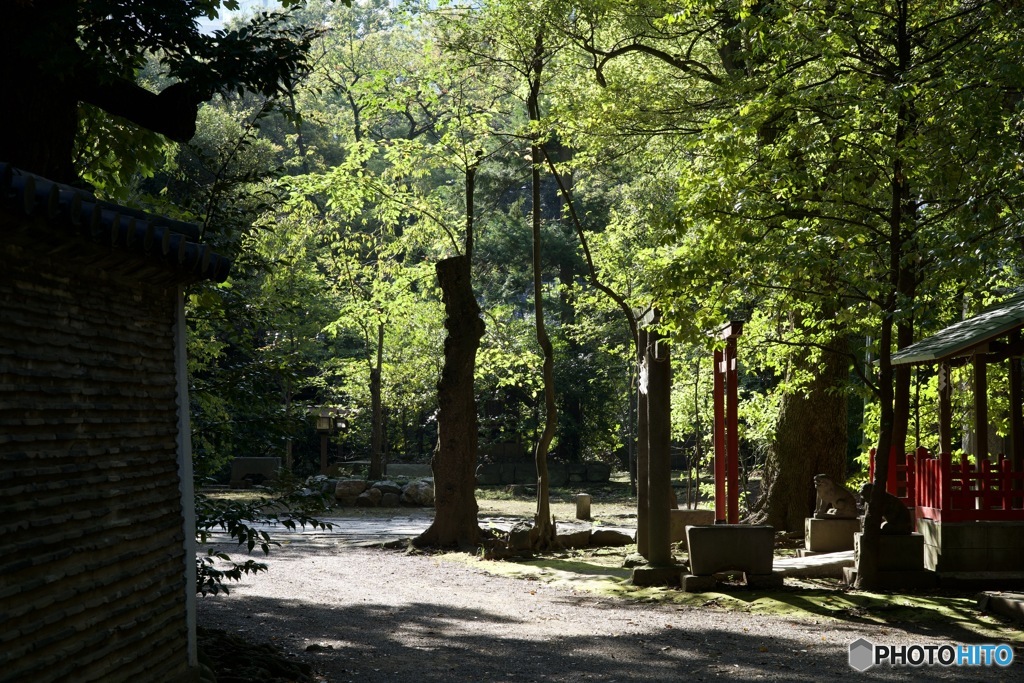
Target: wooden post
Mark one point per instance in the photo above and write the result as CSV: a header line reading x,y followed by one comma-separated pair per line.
x,y
323,453
719,401
732,430
945,408
980,408
1016,415
642,450
659,468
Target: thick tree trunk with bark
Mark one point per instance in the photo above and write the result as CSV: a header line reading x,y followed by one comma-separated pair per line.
x,y
810,439
454,463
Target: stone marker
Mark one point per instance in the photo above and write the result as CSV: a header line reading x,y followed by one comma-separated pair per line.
x,y
582,506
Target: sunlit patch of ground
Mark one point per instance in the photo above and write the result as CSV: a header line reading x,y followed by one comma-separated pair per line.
x,y
600,572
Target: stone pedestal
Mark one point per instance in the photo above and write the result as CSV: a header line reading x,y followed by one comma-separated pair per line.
x,y
902,553
829,535
680,519
900,562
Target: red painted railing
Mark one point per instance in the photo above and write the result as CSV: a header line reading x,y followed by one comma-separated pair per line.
x,y
942,490
902,478
959,491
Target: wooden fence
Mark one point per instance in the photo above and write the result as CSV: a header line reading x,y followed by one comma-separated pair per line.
x,y
943,490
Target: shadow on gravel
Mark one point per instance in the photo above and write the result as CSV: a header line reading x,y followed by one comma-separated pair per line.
x,y
948,616
425,642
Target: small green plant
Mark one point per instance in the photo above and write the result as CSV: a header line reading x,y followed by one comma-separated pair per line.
x,y
287,503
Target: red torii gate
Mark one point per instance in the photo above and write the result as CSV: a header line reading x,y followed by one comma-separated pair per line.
x,y
726,438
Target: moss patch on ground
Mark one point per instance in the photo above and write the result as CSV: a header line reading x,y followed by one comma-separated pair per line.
x,y
600,571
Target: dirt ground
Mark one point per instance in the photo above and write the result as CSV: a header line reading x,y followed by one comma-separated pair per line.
x,y
356,613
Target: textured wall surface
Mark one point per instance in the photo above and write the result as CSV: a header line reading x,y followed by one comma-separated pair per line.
x,y
91,556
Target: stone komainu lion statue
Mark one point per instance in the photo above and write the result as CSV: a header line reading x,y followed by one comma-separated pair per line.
x,y
834,500
895,514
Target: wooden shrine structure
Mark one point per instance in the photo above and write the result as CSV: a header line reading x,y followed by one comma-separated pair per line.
x,y
938,487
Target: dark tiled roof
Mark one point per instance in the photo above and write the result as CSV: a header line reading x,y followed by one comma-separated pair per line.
x,y
960,337
171,246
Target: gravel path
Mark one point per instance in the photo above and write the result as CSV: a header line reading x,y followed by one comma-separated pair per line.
x,y
361,614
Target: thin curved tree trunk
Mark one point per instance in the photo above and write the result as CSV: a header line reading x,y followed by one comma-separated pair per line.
x,y
542,536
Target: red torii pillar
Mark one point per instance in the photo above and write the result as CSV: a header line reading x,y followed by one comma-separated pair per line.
x,y
727,441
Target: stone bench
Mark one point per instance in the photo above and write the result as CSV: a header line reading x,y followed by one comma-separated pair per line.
x,y
720,548
253,471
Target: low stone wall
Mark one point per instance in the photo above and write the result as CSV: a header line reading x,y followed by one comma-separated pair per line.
x,y
525,473
401,469
384,493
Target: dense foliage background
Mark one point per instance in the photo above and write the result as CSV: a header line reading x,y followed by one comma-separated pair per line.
x,y
844,176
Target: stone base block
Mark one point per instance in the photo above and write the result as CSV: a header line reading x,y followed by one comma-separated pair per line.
x,y
610,538
829,535
693,583
990,546
657,576
698,584
773,580
1007,604
897,553
680,519
575,539
723,547
887,580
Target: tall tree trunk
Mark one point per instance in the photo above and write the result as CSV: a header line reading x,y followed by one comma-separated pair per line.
x,y
894,382
810,439
570,423
542,535
377,410
454,463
